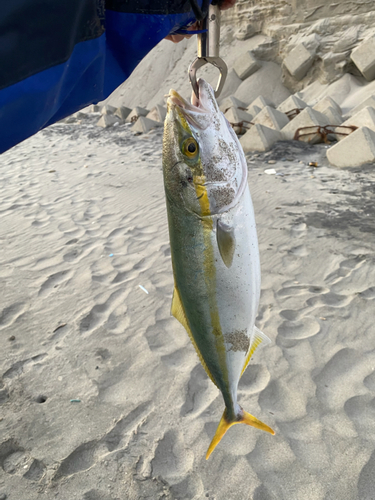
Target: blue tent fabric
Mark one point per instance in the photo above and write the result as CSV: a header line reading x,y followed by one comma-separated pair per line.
x,y
52,82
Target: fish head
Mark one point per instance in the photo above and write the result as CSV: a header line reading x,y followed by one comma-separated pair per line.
x,y
204,166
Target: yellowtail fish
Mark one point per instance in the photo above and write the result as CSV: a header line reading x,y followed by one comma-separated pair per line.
x,y
214,245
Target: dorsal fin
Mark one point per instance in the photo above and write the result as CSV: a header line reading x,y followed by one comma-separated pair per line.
x,y
177,310
257,339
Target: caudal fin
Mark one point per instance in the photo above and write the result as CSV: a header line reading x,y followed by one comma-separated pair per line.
x,y
225,423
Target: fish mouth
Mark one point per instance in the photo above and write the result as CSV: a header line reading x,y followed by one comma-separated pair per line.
x,y
192,112
175,98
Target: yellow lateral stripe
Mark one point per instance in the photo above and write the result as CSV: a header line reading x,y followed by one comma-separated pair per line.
x,y
210,276
203,199
178,312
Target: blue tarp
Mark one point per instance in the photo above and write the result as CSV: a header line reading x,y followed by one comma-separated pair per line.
x,y
95,68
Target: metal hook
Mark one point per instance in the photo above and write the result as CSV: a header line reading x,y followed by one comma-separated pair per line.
x,y
215,61
208,51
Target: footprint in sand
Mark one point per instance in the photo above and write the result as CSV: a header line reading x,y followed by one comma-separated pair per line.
x,y
100,313
289,291
286,400
88,454
368,294
96,495
299,251
298,329
71,229
11,313
346,369
290,314
181,359
254,380
366,482
346,267
200,392
361,411
162,338
330,299
15,460
72,255
172,459
36,471
23,366
53,281
4,393
190,487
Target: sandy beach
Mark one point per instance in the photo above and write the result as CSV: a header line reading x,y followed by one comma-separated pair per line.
x,y
102,396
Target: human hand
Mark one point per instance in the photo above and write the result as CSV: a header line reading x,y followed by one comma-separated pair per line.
x,y
178,38
224,5
227,4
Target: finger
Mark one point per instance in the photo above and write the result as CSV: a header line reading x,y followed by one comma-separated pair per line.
x,y
227,4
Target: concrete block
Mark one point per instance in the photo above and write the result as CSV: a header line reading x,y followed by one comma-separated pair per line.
x,y
144,125
108,110
245,32
108,121
231,102
292,102
333,117
136,113
245,65
270,117
370,101
122,112
94,108
363,57
299,61
307,118
230,86
79,115
259,138
258,104
237,116
364,118
355,150
158,113
267,81
326,103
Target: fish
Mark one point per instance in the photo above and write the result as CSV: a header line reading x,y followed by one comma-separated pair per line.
x,y
214,246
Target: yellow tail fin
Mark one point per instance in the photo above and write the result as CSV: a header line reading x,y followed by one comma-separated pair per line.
x,y
225,424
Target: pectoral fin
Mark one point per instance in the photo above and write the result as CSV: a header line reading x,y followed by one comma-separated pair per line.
x,y
177,310
226,242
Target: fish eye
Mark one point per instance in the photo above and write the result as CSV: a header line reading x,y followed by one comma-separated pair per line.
x,y
190,147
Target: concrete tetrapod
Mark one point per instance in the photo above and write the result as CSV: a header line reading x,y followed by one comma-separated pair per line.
x,y
299,61
292,102
364,118
271,118
144,125
364,58
259,138
245,65
355,150
308,118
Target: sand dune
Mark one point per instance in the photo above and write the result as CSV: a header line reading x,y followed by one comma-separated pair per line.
x,y
82,226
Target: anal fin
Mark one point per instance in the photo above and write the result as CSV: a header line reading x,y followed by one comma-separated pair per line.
x,y
177,310
257,339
